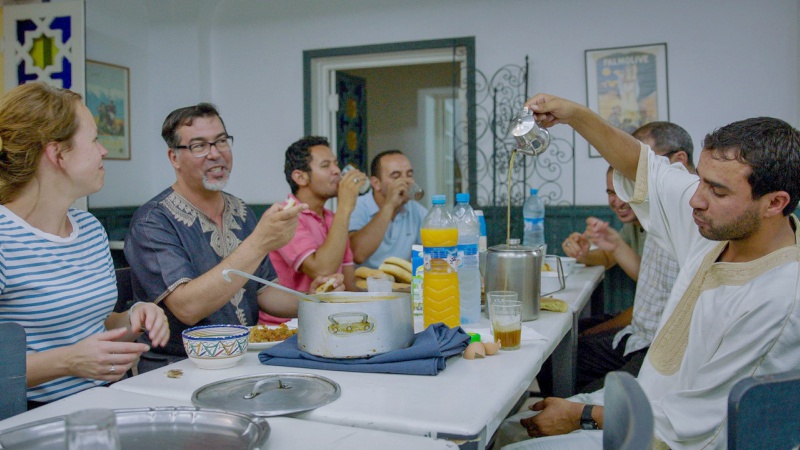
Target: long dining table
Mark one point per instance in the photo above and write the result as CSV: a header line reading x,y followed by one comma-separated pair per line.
x,y
285,432
464,403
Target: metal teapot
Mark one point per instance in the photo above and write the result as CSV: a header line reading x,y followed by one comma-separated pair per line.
x,y
515,267
531,139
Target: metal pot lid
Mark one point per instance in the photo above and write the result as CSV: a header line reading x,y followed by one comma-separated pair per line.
x,y
268,395
163,427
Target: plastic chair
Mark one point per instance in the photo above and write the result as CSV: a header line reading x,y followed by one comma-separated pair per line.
x,y
627,416
124,290
763,412
14,399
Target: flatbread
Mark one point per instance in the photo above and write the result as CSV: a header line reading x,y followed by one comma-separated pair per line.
x,y
553,304
327,286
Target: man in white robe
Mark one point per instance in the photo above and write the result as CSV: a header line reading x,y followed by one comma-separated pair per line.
x,y
733,311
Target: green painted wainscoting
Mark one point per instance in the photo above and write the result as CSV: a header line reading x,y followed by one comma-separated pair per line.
x,y
560,221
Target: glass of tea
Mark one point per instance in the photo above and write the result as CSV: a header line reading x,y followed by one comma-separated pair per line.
x,y
507,323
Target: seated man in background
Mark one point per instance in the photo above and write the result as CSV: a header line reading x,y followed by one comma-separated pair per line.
x,y
385,223
621,342
320,246
577,245
180,241
733,311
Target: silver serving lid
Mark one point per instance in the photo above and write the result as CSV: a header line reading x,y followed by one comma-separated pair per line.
x,y
166,427
268,395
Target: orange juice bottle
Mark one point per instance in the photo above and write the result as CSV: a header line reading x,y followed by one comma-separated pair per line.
x,y
439,235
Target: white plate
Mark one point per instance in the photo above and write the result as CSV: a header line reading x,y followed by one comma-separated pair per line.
x,y
262,345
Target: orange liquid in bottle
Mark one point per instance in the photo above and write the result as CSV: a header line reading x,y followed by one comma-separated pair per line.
x,y
440,299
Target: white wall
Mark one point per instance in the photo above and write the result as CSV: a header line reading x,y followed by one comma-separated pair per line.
x,y
728,60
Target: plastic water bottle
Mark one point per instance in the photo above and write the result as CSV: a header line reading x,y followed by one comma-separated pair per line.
x,y
533,213
469,275
439,235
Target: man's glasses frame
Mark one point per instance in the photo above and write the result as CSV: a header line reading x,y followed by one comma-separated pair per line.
x,y
201,149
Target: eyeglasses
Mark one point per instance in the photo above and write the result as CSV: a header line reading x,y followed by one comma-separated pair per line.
x,y
201,149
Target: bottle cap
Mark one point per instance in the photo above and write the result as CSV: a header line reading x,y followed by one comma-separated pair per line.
x,y
462,197
474,337
438,199
534,191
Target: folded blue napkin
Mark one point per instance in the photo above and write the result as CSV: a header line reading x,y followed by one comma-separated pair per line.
x,y
425,356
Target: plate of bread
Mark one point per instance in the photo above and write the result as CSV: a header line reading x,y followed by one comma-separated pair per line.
x,y
397,268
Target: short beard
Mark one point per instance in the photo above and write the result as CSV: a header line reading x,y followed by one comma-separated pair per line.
x,y
217,185
742,228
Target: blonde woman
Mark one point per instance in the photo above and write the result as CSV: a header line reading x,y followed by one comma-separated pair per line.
x,y
56,274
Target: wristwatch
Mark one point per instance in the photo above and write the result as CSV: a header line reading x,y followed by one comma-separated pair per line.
x,y
587,423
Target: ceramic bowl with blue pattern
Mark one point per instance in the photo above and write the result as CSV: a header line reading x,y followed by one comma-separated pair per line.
x,y
216,346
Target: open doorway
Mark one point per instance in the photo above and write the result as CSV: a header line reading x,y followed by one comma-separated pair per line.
x,y
443,154
403,111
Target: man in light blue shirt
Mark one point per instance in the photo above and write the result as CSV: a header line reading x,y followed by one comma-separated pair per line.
x,y
385,223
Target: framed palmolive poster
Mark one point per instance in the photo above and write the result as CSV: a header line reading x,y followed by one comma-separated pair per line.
x,y
628,86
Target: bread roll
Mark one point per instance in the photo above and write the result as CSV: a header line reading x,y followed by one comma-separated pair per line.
x,y
399,273
398,262
366,272
361,284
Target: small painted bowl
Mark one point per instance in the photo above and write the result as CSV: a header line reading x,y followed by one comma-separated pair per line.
x,y
216,346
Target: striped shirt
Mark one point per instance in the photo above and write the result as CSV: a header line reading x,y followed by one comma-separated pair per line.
x,y
657,274
61,290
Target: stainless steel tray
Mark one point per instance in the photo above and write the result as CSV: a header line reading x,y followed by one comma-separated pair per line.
x,y
153,428
268,395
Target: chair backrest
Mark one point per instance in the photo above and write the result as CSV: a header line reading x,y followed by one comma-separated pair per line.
x,y
764,412
124,290
13,399
627,414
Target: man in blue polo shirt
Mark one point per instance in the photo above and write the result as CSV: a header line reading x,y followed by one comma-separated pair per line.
x,y
385,223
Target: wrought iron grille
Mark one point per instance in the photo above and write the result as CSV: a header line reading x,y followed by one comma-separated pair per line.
x,y
498,99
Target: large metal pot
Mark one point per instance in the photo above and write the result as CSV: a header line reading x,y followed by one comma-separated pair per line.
x,y
355,324
515,267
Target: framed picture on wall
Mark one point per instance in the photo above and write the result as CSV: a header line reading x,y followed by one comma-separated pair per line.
x,y
108,98
627,86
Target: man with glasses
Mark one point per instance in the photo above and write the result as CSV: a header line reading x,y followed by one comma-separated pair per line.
x,y
180,241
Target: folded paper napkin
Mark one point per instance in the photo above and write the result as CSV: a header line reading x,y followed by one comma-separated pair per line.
x,y
425,356
528,334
